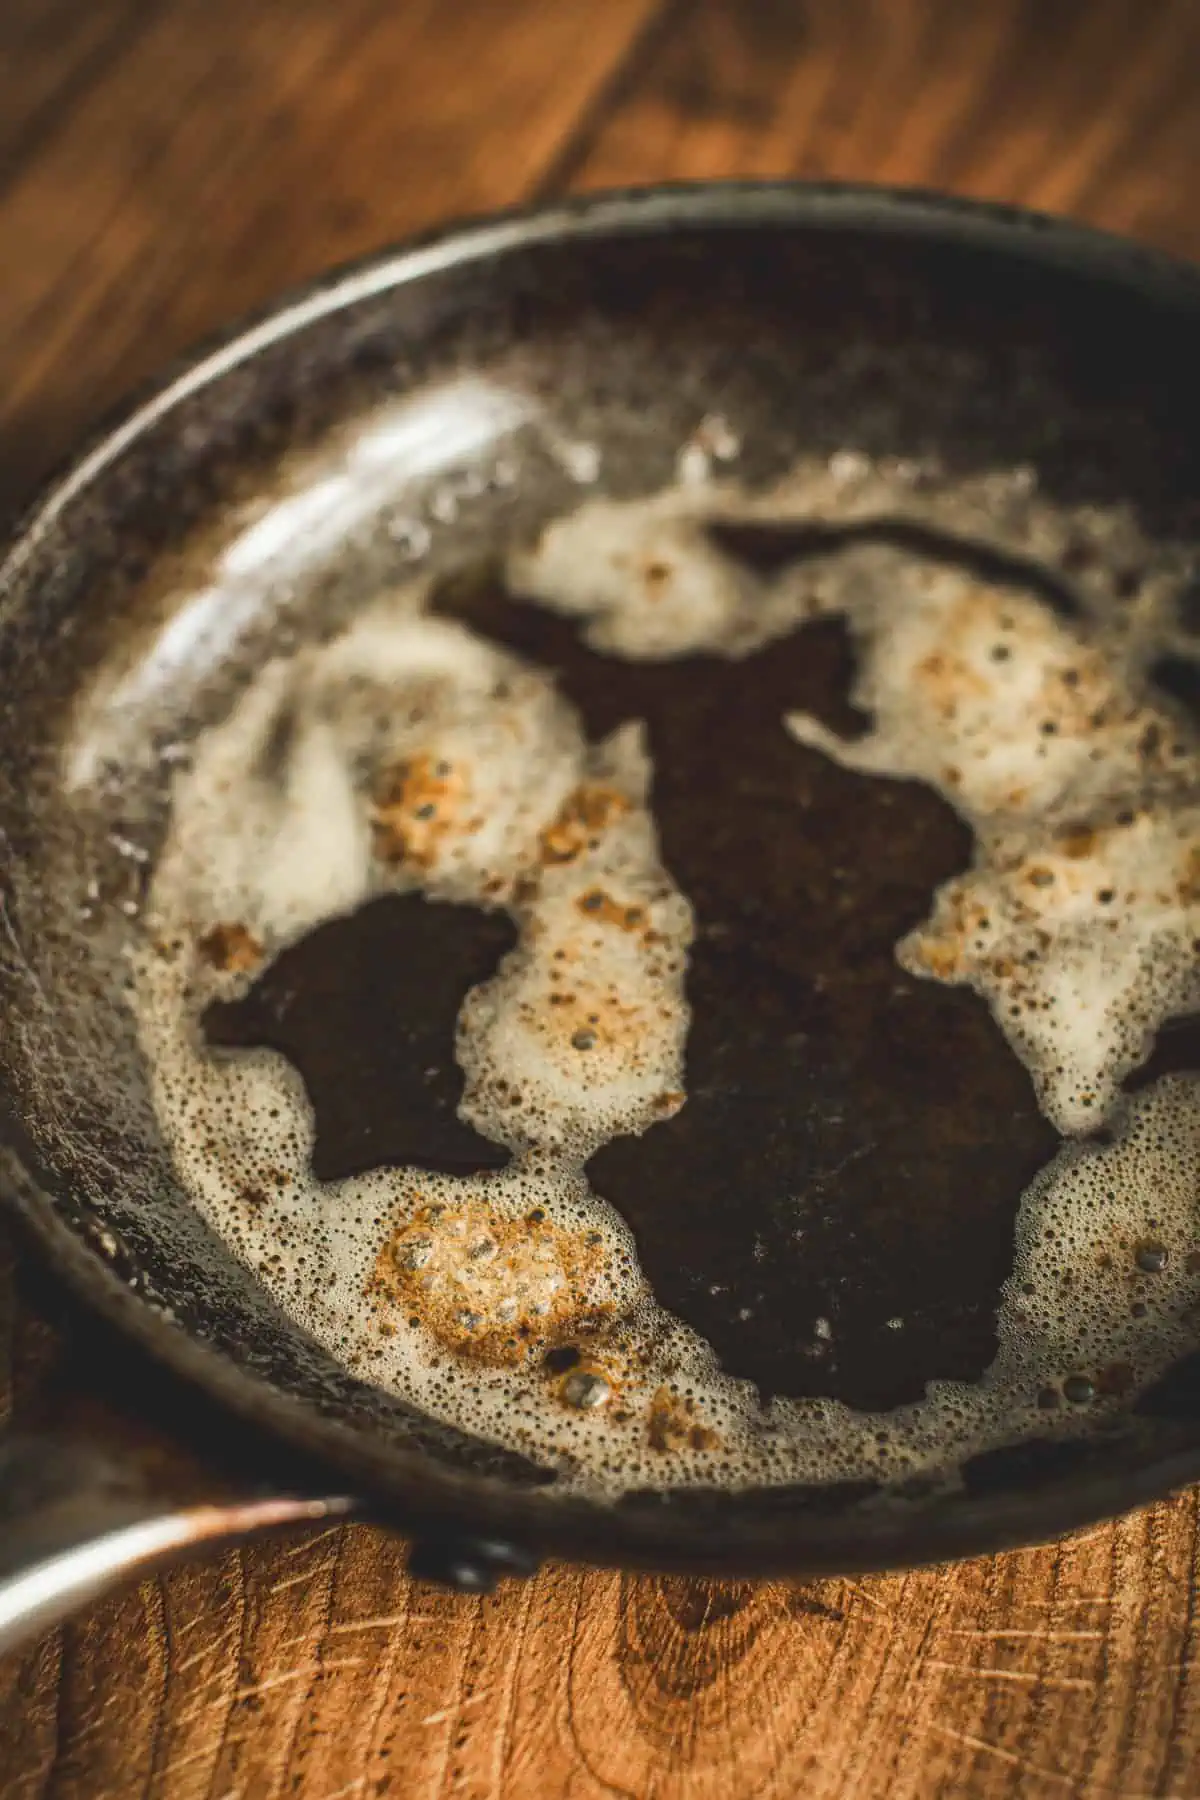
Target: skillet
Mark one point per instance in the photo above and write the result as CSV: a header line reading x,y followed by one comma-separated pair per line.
x,y
909,329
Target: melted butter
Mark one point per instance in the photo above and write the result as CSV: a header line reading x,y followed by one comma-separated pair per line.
x,y
408,755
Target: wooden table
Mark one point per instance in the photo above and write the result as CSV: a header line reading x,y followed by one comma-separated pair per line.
x,y
167,163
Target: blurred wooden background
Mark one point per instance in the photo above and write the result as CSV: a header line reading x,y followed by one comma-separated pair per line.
x,y
165,164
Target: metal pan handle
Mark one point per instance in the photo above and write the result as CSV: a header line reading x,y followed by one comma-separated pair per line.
x,y
74,1522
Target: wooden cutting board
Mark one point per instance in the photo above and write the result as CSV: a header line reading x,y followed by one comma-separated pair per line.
x,y
167,163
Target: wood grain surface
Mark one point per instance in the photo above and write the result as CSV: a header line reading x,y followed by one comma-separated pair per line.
x,y
167,163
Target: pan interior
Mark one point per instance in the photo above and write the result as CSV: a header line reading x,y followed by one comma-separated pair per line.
x,y
832,1213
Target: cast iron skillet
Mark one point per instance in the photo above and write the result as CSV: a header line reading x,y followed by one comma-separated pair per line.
x,y
814,319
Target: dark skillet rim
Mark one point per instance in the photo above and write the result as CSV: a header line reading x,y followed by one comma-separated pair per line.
x,y
408,1487
989,224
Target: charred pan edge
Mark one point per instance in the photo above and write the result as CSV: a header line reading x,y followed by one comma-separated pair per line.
x,y
620,212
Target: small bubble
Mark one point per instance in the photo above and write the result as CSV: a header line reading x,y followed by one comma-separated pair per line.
x,y
583,1040
849,465
581,461
585,1389
1151,1258
692,465
1079,1389
410,536
126,847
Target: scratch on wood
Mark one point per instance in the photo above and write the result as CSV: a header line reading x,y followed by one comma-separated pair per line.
x,y
297,1637
862,1593
98,1722
305,1672
1060,1600
198,1656
310,1541
987,1748
205,1706
290,1581
1043,1636
385,1620
207,1752
452,1712
201,1618
1030,1677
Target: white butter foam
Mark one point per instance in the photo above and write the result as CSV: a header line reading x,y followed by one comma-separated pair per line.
x,y
1080,918
409,755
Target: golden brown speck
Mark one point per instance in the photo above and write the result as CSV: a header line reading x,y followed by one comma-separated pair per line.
x,y
415,808
494,1289
607,911
1077,841
584,814
232,948
674,1424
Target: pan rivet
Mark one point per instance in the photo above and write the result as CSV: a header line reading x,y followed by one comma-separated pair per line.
x,y
1079,1390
